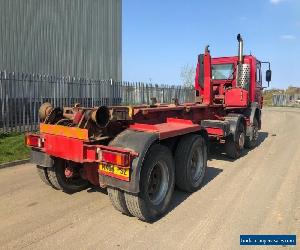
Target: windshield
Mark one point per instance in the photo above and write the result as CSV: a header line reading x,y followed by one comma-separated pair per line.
x,y
222,71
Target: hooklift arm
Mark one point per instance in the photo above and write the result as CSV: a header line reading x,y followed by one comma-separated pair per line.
x,y
203,83
207,93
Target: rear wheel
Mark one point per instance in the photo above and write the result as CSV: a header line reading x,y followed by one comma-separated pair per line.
x,y
251,141
191,162
65,176
117,199
234,147
157,185
42,172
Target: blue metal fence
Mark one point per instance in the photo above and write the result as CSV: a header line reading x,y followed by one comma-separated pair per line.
x,y
22,94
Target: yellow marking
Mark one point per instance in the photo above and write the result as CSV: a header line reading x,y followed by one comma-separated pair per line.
x,y
71,132
114,169
130,111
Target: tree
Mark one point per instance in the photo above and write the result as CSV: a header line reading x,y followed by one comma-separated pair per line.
x,y
291,90
187,75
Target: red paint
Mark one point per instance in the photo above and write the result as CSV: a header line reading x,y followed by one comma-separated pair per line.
x,y
207,91
173,127
90,154
181,121
215,131
64,147
236,97
78,151
90,173
143,127
78,117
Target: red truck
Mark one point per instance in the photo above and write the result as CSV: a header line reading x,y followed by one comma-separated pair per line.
x,y
139,153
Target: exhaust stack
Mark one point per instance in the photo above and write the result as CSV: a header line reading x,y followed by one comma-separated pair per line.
x,y
241,48
243,70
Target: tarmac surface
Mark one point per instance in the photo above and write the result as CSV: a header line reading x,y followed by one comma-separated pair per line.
x,y
256,194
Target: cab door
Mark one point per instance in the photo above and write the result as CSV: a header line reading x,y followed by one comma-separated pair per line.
x,y
258,84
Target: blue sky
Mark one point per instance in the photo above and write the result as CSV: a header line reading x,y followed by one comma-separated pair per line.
x,y
160,37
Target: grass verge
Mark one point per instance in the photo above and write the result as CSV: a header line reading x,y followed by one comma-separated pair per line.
x,y
12,148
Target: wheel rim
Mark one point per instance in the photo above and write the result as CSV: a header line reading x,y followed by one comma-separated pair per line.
x,y
255,133
196,164
241,140
158,183
75,179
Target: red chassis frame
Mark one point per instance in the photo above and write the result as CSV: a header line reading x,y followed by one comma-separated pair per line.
x,y
77,150
89,154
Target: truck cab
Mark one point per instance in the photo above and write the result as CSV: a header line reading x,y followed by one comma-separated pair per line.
x,y
224,77
236,81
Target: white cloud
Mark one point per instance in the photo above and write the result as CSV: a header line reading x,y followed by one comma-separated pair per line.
x,y
276,1
288,37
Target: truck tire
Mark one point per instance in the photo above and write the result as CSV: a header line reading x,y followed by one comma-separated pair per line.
x,y
59,181
234,147
117,199
251,143
191,162
42,172
156,185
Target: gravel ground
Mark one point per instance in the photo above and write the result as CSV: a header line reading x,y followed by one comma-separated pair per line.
x,y
256,194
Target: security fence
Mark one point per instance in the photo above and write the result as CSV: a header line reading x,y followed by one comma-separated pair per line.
x,y
22,94
286,100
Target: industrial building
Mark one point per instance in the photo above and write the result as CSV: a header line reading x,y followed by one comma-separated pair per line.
x,y
78,38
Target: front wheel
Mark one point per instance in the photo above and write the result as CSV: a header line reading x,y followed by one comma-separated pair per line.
x,y
251,141
234,147
156,185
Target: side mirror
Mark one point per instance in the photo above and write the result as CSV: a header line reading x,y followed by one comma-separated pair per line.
x,y
268,76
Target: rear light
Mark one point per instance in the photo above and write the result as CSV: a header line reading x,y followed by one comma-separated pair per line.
x,y
115,158
34,141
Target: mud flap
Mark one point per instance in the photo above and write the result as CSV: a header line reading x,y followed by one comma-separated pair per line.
x,y
234,120
139,142
251,112
41,159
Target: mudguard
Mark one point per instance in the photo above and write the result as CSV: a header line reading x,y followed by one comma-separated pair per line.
x,y
138,141
234,120
250,112
41,159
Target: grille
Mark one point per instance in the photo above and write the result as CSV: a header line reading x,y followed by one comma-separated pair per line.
x,y
244,76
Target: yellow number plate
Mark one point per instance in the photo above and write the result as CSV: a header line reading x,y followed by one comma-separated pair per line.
x,y
114,171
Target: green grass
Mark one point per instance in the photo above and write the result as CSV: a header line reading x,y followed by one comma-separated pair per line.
x,y
12,148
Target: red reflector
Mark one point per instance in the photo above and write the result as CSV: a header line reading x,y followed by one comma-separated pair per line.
x,y
33,141
115,158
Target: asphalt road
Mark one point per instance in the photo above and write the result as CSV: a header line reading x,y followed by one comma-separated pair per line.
x,y
256,194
